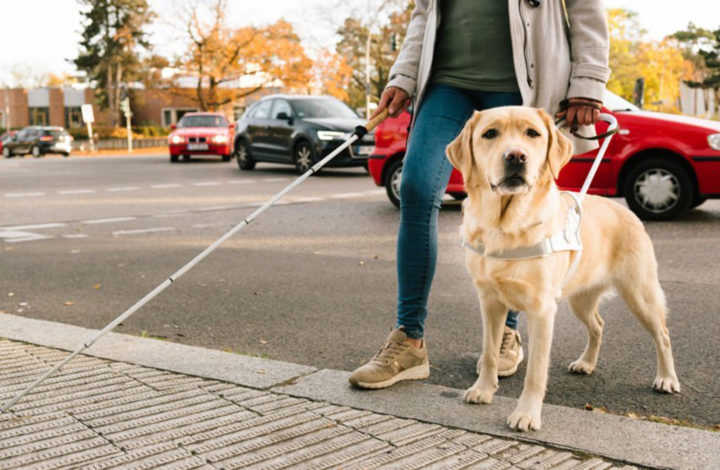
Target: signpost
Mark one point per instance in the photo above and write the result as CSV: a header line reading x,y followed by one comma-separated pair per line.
x,y
125,108
88,118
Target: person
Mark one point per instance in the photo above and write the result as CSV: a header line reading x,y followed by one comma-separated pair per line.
x,y
460,56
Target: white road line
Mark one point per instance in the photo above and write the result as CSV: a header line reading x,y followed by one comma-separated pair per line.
x,y
164,186
24,194
124,188
347,195
207,183
208,225
166,215
143,230
76,191
107,221
215,208
308,199
272,180
17,236
242,181
74,235
35,226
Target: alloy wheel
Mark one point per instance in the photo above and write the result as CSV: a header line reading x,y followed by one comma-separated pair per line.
x,y
657,190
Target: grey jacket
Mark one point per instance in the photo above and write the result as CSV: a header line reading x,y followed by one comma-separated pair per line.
x,y
554,59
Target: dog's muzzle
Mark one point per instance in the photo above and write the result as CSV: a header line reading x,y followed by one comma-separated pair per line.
x,y
514,168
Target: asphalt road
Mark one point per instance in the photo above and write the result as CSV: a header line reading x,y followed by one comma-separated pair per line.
x,y
312,281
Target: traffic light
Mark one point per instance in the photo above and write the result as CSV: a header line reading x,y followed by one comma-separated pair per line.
x,y
125,106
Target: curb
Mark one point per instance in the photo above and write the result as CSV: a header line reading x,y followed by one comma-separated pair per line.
x,y
616,437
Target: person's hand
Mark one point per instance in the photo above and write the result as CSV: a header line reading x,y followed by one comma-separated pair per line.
x,y
393,98
583,111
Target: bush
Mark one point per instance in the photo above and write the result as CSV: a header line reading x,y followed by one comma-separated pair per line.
x,y
150,131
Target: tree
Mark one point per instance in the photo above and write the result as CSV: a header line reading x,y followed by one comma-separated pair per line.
x,y
334,74
111,36
388,23
229,63
702,47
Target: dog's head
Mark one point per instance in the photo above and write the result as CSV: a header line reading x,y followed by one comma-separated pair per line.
x,y
510,149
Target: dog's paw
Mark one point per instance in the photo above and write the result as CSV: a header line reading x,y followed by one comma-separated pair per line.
x,y
478,395
666,384
581,367
524,420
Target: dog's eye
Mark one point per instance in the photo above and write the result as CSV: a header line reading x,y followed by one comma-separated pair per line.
x,y
490,134
532,133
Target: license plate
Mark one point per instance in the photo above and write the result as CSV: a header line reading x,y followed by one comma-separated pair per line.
x,y
197,146
362,150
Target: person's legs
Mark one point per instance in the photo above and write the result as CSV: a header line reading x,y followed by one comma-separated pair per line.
x,y
425,175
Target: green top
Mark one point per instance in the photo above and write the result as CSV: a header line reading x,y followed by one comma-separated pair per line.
x,y
473,49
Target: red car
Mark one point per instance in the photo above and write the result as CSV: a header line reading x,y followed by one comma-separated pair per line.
x,y
201,134
663,164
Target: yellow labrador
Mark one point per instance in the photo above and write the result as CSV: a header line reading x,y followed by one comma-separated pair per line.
x,y
508,158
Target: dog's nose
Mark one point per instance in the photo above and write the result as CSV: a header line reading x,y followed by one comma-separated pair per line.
x,y
514,156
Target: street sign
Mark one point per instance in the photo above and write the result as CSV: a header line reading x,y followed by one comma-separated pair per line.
x,y
87,113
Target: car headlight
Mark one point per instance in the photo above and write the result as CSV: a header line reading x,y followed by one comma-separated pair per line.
x,y
177,139
219,139
330,135
714,141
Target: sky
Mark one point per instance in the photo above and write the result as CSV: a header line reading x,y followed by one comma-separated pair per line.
x,y
43,34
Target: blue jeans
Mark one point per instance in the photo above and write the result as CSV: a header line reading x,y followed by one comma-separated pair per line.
x,y
426,172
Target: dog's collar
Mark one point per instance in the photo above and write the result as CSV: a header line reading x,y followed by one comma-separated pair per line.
x,y
568,239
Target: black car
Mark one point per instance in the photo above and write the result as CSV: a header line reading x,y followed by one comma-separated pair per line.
x,y
38,140
299,130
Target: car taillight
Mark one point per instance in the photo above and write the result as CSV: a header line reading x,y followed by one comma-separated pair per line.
x,y
46,138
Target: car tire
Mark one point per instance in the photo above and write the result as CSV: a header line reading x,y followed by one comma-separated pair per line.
x,y
66,154
658,189
698,200
303,157
244,159
174,158
36,151
393,175
7,153
186,157
226,158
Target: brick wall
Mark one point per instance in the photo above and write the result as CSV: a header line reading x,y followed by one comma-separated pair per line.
x,y
57,107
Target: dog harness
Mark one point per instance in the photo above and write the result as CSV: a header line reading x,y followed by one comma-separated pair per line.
x,y
568,239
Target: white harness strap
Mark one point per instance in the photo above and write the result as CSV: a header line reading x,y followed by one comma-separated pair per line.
x,y
568,239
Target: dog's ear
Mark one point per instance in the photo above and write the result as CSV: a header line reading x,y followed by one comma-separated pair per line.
x,y
460,150
559,149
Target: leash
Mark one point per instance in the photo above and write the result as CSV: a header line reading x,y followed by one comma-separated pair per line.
x,y
567,239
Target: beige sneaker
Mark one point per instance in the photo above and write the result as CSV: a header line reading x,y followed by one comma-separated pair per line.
x,y
397,360
511,353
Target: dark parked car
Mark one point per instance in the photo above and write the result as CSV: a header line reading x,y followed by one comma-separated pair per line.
x,y
38,140
299,130
6,136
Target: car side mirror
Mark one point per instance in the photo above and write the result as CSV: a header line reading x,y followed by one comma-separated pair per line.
x,y
284,116
173,127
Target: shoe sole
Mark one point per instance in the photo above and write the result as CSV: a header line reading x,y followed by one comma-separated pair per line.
x,y
414,373
508,373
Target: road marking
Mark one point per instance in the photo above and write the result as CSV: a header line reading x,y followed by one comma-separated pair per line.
x,y
347,195
208,225
17,236
307,199
242,181
215,208
76,191
163,186
124,188
207,183
74,235
35,226
24,194
272,180
143,230
107,221
160,216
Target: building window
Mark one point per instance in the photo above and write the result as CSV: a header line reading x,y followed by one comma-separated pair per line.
x,y
172,115
39,116
73,117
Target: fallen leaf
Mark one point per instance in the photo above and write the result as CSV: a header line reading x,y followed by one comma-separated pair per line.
x,y
376,257
69,303
96,286
262,341
11,294
74,251
361,263
588,406
261,371
23,304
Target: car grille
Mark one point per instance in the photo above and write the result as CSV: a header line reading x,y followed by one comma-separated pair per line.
x,y
194,140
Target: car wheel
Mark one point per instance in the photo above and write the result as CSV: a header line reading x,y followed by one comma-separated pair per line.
x,y
36,151
697,201
392,181
303,156
186,157
245,161
226,158
7,153
174,158
658,189
66,154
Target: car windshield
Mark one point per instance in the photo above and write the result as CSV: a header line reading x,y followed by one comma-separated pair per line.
x,y
614,103
322,108
202,121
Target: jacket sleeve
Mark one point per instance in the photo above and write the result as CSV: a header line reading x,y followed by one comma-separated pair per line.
x,y
403,73
589,45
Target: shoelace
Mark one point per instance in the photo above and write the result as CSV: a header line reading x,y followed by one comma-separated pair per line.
x,y
505,344
389,352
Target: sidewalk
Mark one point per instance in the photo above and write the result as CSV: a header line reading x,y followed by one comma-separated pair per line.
x,y
142,403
